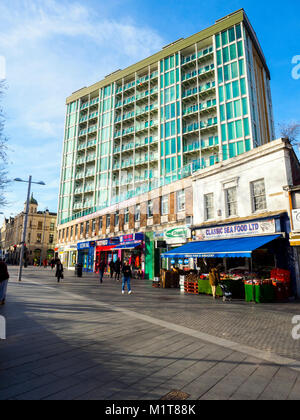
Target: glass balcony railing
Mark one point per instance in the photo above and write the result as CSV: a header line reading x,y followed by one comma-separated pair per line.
x,y
203,88
203,53
91,143
201,71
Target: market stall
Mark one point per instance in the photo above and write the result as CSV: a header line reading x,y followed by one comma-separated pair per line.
x,y
246,267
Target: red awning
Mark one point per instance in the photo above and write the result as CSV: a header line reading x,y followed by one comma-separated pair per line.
x,y
105,248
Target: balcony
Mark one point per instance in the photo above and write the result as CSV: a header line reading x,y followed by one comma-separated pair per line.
x,y
128,146
77,205
90,158
205,88
82,132
211,122
191,128
89,188
94,102
90,173
93,115
205,52
202,71
80,161
83,119
91,143
92,129
79,175
127,163
192,147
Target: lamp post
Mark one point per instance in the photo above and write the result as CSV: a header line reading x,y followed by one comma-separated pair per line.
x,y
43,237
25,220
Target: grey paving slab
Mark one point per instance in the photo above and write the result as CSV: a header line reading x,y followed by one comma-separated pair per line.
x,y
83,341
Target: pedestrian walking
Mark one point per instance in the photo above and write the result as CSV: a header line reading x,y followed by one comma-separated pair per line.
x,y
214,280
112,268
59,271
52,263
118,269
127,274
102,267
4,276
45,263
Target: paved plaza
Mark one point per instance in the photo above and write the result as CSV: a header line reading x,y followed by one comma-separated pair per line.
x,y
83,340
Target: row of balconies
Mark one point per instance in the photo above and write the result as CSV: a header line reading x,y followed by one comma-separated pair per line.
x,y
203,70
138,143
201,89
133,99
88,104
139,112
136,128
201,54
90,143
87,117
204,106
139,81
211,122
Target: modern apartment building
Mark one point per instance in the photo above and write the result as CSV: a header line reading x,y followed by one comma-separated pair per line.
x,y
197,102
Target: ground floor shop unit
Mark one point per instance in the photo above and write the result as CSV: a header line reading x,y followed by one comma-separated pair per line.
x,y
85,256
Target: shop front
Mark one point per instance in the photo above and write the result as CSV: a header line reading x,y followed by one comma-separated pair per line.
x,y
131,248
105,251
174,238
251,252
86,252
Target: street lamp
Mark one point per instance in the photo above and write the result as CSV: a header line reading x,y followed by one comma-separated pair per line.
x,y
25,219
45,212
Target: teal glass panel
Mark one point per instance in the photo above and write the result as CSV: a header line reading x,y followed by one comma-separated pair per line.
x,y
178,126
216,140
167,129
239,129
232,150
223,132
228,91
231,131
243,86
235,89
246,127
167,79
241,67
177,91
172,93
162,98
225,54
218,41
247,145
225,152
221,94
173,128
245,106
173,110
232,48
224,36
172,77
219,57
167,64
161,149
168,166
173,164
222,112
172,62
179,162
178,144
162,81
234,70
229,110
177,59
227,73
240,147
237,108
220,75
178,108
231,34
162,131
238,31
162,66
177,75
240,49
168,148
173,146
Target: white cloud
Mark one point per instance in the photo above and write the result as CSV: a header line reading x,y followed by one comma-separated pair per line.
x,y
53,48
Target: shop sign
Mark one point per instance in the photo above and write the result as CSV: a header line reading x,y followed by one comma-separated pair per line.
x,y
173,261
102,242
180,261
241,229
296,219
177,235
186,261
83,245
132,237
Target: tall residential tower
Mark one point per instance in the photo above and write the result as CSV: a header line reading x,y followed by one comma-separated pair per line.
x,y
197,102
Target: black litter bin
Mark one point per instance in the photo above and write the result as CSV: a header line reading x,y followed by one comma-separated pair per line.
x,y
78,270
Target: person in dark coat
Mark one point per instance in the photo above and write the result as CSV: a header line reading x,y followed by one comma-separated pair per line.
x,y
127,275
112,268
118,269
59,271
102,267
4,276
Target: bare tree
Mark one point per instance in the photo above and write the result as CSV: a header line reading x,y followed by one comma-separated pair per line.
x,y
3,149
291,131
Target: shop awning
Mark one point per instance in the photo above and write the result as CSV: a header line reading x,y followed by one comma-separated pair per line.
x,y
106,248
236,247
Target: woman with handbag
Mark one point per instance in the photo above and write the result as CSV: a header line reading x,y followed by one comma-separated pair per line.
x,y
59,271
4,276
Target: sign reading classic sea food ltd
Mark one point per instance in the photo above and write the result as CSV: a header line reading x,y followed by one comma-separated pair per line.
x,y
177,235
241,229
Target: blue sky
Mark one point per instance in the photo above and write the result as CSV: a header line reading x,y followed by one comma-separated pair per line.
x,y
53,48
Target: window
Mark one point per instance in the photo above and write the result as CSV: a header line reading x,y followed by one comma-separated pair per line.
x,y
258,195
100,223
52,226
87,227
180,200
39,238
40,225
209,206
165,205
231,201
51,238
126,217
71,231
107,221
137,214
117,219
93,225
76,230
150,208
81,228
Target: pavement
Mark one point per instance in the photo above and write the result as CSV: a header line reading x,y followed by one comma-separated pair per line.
x,y
80,339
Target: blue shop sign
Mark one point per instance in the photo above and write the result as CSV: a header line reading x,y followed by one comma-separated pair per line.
x,y
86,245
